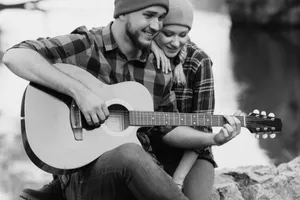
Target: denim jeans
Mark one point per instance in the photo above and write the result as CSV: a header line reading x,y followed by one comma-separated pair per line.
x,y
126,172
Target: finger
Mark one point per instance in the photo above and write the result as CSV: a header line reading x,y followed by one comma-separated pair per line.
x,y
238,125
101,116
225,131
169,65
237,113
158,63
165,60
163,64
230,121
88,119
95,119
105,111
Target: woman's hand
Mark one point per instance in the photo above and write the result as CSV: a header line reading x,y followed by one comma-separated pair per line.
x,y
229,130
161,59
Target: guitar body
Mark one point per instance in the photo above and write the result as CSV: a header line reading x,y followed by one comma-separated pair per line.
x,y
48,134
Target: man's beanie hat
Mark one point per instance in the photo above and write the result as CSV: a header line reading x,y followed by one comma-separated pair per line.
x,y
180,13
128,6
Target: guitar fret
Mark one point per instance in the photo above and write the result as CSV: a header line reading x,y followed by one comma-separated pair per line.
x,y
194,120
153,119
139,118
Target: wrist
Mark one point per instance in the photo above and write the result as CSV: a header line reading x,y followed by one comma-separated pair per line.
x,y
78,92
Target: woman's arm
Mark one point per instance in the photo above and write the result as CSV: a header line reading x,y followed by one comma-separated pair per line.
x,y
186,163
161,59
189,157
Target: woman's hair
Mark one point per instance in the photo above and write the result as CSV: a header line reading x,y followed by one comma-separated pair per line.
x,y
178,73
179,76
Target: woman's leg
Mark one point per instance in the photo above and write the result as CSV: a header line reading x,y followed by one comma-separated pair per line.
x,y
199,181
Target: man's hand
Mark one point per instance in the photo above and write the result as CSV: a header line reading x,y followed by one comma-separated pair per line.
x,y
92,107
229,130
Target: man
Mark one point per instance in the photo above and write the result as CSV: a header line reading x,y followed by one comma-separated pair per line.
x,y
115,53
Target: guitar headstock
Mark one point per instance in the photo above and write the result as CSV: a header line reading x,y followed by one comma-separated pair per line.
x,y
261,124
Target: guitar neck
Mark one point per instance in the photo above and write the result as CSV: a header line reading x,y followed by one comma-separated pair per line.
x,y
142,118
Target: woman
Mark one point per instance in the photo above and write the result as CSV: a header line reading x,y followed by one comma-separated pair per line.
x,y
194,87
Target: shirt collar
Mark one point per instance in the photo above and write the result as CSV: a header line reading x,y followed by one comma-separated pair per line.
x,y
108,38
111,44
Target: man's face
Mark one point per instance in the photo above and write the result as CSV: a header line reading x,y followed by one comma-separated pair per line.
x,y
143,25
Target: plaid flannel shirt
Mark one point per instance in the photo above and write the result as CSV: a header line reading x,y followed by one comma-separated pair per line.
x,y
97,52
197,96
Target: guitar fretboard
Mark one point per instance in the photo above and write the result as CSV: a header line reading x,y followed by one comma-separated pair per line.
x,y
142,118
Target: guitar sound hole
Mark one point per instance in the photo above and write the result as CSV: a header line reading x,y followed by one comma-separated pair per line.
x,y
118,119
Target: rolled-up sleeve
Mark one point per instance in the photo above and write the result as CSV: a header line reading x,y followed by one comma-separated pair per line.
x,y
74,48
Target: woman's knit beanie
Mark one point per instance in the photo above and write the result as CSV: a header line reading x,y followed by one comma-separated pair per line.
x,y
180,13
128,6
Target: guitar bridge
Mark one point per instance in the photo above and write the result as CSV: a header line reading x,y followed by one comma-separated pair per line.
x,y
76,123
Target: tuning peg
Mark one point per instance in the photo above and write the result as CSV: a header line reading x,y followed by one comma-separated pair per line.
x,y
265,136
273,135
256,135
263,113
256,111
271,115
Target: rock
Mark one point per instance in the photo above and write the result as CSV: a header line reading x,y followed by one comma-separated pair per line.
x,y
265,12
259,182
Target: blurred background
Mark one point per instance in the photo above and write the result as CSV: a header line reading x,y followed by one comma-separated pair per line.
x,y
254,45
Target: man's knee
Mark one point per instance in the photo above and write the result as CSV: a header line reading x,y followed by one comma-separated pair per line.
x,y
130,152
125,156
132,155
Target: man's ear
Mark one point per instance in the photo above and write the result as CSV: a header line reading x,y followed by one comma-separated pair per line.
x,y
122,17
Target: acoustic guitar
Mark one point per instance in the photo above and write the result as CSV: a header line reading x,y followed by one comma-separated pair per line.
x,y
57,139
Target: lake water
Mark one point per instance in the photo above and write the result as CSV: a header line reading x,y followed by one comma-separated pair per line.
x,y
253,69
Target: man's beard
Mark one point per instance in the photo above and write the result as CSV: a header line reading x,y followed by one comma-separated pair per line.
x,y
134,37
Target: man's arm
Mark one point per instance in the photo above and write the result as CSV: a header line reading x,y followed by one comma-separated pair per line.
x,y
30,65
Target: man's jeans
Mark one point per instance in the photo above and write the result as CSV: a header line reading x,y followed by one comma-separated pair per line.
x,y
127,172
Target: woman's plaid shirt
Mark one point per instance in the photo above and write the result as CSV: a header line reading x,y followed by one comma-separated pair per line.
x,y
196,96
97,52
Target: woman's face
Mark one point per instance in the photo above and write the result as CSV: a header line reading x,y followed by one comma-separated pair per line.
x,y
172,38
